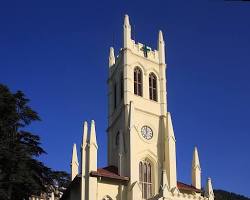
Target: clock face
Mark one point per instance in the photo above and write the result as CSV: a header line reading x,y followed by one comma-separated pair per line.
x,y
147,132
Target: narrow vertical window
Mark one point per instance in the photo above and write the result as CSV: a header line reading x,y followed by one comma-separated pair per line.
x,y
145,179
115,98
121,87
152,87
140,172
138,81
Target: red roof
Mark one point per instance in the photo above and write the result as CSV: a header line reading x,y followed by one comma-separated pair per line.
x,y
110,172
183,186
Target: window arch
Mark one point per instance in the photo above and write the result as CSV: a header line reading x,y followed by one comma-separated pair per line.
x,y
138,81
152,86
145,179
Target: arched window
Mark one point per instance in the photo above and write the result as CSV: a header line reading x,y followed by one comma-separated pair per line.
x,y
145,179
138,81
152,87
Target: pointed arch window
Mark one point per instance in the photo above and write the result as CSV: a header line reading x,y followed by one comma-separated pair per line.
x,y
145,179
152,87
138,81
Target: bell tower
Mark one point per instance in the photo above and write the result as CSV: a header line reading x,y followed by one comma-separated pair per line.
x,y
140,133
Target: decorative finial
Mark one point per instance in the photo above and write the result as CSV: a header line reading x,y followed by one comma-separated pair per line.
x,y
126,20
92,137
161,48
111,57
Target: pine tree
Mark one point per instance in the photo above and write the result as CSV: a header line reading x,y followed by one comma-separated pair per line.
x,y
21,173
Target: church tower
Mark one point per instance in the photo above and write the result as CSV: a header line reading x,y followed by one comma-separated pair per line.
x,y
141,141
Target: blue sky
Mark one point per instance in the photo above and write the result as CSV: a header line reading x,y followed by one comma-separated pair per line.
x,y
57,53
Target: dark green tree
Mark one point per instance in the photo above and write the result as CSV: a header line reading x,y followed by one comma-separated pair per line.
x,y
224,195
21,173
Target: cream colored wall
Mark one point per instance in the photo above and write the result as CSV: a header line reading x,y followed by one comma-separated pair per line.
x,y
141,148
147,112
131,114
147,67
107,188
160,150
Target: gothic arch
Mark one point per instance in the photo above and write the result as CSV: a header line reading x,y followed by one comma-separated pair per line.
x,y
152,70
138,81
146,178
153,86
149,155
138,64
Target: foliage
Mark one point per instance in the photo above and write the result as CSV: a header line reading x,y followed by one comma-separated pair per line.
x,y
224,195
21,173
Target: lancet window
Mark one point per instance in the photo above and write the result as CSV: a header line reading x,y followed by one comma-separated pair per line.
x,y
152,87
138,81
145,179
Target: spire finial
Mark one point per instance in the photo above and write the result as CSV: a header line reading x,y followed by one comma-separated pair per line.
x,y
196,161
74,155
74,163
126,20
161,48
84,161
92,137
196,170
85,133
209,193
170,127
92,163
126,32
111,57
160,36
170,153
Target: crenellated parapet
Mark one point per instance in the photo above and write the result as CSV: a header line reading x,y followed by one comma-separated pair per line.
x,y
142,50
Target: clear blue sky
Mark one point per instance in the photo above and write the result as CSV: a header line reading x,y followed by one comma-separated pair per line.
x,y
57,53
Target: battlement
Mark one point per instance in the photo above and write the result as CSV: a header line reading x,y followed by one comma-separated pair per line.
x,y
157,56
139,49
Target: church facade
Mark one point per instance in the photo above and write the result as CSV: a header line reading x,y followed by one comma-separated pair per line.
x,y
141,140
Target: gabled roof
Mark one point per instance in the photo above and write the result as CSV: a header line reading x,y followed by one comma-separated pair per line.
x,y
109,172
186,187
